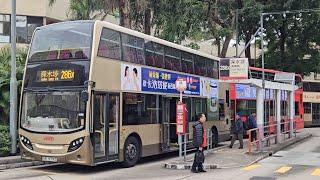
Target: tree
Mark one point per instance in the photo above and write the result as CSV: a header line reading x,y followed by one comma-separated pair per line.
x,y
5,73
293,38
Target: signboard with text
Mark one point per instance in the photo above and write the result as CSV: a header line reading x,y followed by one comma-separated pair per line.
x,y
154,80
181,118
234,68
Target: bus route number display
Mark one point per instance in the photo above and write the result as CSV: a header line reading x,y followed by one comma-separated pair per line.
x,y
55,75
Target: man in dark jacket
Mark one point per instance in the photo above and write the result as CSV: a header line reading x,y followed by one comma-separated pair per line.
x,y
237,132
197,142
252,125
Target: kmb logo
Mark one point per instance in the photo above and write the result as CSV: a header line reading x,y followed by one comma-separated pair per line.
x,y
48,138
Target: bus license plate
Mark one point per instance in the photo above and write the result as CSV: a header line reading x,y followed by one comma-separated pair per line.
x,y
50,159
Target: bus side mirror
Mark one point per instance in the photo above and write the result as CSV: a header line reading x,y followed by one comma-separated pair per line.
x,y
84,96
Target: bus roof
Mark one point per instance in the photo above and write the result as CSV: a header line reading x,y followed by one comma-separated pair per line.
x,y
270,71
154,39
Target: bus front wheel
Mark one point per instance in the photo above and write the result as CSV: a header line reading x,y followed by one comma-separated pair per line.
x,y
131,152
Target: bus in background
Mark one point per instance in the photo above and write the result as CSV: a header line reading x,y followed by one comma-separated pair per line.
x,y
243,99
311,101
94,92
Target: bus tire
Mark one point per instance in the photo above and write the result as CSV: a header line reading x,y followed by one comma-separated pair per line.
x,y
132,151
215,137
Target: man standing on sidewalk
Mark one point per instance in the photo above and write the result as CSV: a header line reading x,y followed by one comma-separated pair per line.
x,y
252,125
198,141
237,132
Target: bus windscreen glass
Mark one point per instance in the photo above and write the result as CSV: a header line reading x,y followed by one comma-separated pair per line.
x,y
63,41
52,111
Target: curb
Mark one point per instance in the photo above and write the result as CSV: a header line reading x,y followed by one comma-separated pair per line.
x,y
187,166
271,152
181,166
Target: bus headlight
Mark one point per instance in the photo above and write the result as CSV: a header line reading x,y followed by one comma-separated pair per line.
x,y
25,141
75,144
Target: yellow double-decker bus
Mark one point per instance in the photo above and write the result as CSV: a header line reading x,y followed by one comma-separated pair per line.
x,y
94,92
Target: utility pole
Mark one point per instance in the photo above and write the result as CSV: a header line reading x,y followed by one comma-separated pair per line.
x,y
13,81
237,31
262,48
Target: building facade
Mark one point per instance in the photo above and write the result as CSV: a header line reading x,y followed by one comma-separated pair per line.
x,y
30,15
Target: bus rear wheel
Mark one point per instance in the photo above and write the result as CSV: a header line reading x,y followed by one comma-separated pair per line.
x,y
131,152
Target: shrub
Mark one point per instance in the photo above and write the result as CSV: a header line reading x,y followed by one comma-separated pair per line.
x,y
4,140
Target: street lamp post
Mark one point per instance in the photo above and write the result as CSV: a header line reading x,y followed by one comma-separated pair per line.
x,y
13,82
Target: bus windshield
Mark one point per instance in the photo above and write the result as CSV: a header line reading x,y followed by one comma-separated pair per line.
x,y
52,112
70,40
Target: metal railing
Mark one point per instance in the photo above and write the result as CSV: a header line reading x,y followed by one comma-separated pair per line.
x,y
269,133
186,144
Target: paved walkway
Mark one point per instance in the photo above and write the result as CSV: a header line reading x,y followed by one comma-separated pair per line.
x,y
224,157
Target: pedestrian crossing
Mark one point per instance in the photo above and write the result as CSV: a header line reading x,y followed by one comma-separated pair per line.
x,y
282,169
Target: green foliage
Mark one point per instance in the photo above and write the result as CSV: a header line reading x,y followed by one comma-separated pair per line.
x,y
193,45
293,39
4,140
5,70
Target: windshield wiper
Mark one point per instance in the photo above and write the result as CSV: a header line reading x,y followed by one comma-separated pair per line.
x,y
44,89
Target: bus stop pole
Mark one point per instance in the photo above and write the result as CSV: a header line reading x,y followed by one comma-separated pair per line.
x,y
179,135
278,114
13,82
260,115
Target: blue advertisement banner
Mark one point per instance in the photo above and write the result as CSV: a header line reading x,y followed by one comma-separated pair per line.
x,y
153,80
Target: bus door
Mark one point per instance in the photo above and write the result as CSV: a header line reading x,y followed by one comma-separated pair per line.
x,y
165,125
106,126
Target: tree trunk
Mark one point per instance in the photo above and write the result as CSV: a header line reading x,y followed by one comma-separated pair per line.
x,y
248,50
147,20
218,45
124,10
283,36
225,46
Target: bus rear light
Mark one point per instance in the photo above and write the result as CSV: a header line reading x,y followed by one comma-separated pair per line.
x,y
75,144
25,141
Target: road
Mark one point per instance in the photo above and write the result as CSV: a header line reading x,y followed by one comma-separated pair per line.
x,y
301,161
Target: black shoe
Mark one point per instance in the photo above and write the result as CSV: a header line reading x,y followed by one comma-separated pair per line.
x,y
194,171
202,170
230,147
240,147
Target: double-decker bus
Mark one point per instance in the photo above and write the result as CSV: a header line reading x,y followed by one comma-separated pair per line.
x,y
243,100
94,92
311,101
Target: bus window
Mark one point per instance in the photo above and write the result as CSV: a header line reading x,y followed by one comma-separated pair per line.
x,y
132,49
109,45
200,66
172,59
149,53
307,107
158,55
296,108
139,109
72,39
212,68
187,62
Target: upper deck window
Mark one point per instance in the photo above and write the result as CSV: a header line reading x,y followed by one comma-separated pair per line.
x,y
110,46
70,40
132,49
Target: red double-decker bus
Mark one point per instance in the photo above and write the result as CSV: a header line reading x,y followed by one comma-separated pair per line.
x,y
243,100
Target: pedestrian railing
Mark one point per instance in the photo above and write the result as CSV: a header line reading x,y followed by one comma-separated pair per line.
x,y
186,144
269,135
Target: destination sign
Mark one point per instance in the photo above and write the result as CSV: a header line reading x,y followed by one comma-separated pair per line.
x,y
55,75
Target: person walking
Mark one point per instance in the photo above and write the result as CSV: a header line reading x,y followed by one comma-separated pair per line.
x,y
237,132
199,143
252,125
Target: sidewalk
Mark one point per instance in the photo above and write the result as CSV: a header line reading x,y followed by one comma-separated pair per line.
x,y
11,162
224,157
